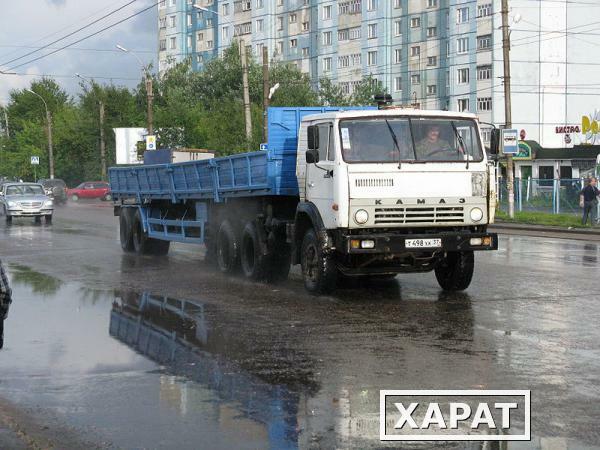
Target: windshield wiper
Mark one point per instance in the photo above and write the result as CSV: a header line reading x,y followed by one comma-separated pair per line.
x,y
461,142
395,139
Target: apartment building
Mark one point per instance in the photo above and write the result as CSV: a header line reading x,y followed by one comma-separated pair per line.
x,y
439,54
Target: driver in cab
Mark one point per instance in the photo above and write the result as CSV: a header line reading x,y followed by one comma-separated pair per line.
x,y
431,146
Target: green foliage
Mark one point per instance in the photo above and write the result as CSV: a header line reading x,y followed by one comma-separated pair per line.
x,y
191,109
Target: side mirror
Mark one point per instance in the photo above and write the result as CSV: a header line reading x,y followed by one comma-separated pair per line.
x,y
313,137
495,141
312,156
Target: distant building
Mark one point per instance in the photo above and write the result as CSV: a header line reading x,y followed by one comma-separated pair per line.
x,y
440,54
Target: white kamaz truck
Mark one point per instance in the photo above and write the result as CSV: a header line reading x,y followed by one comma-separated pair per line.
x,y
359,192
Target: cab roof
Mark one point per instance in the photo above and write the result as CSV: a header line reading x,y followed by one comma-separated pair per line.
x,y
390,112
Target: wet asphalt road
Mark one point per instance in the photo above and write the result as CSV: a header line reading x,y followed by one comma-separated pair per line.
x,y
111,350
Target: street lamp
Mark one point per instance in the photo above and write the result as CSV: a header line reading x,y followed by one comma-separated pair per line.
x,y
149,93
102,140
49,122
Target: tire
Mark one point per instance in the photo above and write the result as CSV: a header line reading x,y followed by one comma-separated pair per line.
x,y
8,218
49,219
318,269
144,245
107,198
455,271
74,197
228,248
255,265
125,230
38,219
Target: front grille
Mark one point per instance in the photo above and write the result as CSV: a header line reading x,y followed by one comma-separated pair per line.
x,y
374,182
30,204
419,214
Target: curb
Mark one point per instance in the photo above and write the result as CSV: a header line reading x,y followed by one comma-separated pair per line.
x,y
549,229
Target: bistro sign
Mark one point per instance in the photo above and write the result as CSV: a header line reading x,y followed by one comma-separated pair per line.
x,y
567,129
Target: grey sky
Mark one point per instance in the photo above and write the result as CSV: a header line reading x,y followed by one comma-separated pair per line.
x,y
34,23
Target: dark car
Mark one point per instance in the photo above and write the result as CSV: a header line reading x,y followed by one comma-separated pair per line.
x,y
56,189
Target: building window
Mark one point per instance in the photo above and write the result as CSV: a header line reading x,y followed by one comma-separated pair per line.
x,y
189,20
397,4
355,33
279,23
356,59
209,23
162,23
462,45
260,4
189,41
172,43
305,26
350,7
327,38
486,135
293,18
415,22
484,42
293,43
225,9
327,12
200,37
432,60
260,25
371,5
431,31
162,45
463,104
225,33
463,76
199,58
279,2
172,21
372,58
484,103
462,15
415,79
397,56
162,4
415,51
372,30
242,28
484,72
484,10
397,84
398,28
305,52
209,44
431,89
327,64
344,61
432,3
280,47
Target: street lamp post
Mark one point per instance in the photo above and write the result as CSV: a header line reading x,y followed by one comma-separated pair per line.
x,y
102,139
49,122
149,93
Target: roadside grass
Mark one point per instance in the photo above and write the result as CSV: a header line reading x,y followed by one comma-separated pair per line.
x,y
538,218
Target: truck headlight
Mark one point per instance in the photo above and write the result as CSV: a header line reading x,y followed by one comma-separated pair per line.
x,y
478,184
361,216
476,214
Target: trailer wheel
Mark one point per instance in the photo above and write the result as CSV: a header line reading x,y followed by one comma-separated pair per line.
x,y
254,263
455,271
318,269
227,248
143,244
125,230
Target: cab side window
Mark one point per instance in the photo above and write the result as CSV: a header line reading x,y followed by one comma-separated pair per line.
x,y
326,149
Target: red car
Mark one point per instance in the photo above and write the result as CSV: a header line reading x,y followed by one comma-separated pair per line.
x,y
90,189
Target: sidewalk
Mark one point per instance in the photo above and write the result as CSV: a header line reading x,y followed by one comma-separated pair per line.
x,y
592,234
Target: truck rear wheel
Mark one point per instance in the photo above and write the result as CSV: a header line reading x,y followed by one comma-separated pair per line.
x,y
125,230
318,269
254,263
455,271
143,244
227,248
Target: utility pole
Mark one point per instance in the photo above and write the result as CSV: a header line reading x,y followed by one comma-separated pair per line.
x,y
50,152
507,106
102,142
246,94
150,96
265,57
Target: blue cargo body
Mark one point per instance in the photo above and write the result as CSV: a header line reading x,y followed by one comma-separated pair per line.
x,y
270,172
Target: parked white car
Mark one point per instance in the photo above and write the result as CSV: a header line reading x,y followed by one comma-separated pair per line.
x,y
25,200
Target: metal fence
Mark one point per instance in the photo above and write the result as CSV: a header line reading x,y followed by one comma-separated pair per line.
x,y
558,196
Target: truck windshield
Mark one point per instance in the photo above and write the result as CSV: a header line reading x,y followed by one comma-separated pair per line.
x,y
372,140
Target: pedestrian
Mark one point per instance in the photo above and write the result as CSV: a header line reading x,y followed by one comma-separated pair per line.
x,y
588,200
5,300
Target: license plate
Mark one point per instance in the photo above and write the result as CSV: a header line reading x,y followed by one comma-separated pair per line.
x,y
423,243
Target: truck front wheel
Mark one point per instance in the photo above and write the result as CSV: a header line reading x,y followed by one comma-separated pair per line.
x,y
455,271
318,268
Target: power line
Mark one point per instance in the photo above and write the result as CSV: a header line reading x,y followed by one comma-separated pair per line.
x,y
81,49
69,35
87,37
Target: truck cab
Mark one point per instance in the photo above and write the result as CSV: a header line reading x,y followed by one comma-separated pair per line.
x,y
391,191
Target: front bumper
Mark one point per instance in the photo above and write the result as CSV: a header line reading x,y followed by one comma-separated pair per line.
x,y
16,212
386,243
